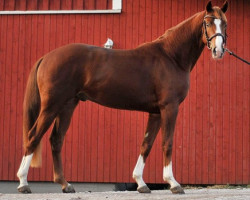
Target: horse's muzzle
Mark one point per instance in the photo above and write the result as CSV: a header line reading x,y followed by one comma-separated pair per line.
x,y
217,53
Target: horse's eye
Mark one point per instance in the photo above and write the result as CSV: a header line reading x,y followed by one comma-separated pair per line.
x,y
208,24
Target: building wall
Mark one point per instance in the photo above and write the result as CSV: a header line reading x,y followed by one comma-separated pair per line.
x,y
211,144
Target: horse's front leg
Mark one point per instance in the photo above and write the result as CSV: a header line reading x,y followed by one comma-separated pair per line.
x,y
153,126
168,119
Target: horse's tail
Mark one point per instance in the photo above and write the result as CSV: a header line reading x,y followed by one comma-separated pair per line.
x,y
31,109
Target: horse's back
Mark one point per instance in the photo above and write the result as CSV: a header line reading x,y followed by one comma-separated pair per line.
x,y
114,78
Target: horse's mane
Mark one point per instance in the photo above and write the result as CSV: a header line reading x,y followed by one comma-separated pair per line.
x,y
179,26
176,33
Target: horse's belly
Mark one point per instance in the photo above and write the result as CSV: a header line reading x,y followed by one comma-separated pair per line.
x,y
123,100
131,106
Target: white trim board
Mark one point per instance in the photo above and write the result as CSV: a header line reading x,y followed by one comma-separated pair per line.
x,y
116,8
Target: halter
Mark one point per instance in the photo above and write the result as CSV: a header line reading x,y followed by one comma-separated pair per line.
x,y
224,37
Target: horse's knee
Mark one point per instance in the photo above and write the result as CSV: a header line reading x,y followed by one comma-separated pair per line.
x,y
167,150
145,149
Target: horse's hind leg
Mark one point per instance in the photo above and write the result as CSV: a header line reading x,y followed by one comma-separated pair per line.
x,y
35,135
153,126
56,140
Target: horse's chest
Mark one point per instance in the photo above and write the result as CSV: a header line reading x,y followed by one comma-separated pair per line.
x,y
174,88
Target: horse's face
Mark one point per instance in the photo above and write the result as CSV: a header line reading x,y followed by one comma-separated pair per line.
x,y
214,28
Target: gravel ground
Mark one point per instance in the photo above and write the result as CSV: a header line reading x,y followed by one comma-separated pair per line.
x,y
201,194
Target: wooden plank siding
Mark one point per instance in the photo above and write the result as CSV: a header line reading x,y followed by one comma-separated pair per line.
x,y
211,144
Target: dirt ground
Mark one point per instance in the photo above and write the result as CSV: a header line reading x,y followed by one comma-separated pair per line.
x,y
201,194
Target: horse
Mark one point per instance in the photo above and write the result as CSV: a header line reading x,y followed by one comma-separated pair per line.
x,y
153,78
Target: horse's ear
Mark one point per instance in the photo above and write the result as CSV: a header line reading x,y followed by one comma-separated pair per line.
x,y
224,7
209,7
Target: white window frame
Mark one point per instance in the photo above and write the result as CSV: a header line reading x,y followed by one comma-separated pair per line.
x,y
116,8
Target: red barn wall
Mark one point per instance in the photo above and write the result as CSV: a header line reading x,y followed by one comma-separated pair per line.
x,y
211,144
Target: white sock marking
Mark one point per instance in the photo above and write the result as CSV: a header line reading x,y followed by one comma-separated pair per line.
x,y
218,39
138,172
23,170
168,175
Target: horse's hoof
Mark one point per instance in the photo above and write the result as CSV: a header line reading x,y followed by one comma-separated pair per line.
x,y
144,189
69,189
177,190
24,189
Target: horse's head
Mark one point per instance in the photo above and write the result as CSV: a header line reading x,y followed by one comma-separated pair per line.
x,y
214,28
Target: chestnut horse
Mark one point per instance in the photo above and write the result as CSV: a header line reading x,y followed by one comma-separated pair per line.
x,y
153,78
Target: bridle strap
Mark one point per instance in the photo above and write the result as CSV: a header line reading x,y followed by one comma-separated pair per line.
x,y
216,34
224,37
210,16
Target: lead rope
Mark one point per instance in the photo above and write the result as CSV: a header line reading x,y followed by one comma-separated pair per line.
x,y
233,54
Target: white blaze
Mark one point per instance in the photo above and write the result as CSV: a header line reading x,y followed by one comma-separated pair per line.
x,y
138,172
23,170
168,175
218,39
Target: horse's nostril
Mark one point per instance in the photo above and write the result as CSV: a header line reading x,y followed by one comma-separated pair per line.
x,y
214,51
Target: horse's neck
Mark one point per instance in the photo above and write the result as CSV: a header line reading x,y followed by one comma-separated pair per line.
x,y
183,43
